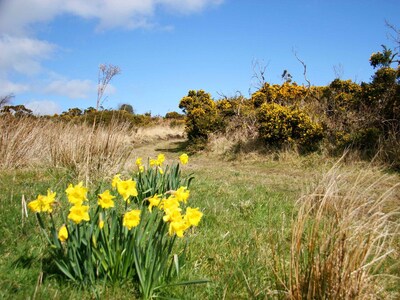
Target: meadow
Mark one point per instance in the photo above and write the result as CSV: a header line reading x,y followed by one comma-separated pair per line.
x,y
275,225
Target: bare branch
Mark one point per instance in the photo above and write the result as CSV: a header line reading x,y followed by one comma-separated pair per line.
x,y
106,73
259,70
4,100
338,70
395,34
304,69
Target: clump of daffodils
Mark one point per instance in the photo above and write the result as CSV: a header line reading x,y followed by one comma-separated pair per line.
x,y
126,217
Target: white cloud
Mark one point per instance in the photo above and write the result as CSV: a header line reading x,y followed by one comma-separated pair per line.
x,y
17,15
7,87
23,54
74,88
43,107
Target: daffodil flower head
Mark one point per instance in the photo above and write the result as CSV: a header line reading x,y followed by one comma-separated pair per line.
x,y
170,203
139,165
182,194
154,201
178,228
63,233
131,219
101,221
76,194
184,158
106,200
43,203
173,215
127,188
79,213
116,180
160,159
193,216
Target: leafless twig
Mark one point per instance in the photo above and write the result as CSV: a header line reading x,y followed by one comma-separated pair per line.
x,y
106,73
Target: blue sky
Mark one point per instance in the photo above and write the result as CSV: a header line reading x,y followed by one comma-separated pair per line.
x,y
50,50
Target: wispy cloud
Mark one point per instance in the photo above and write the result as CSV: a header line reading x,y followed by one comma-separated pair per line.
x,y
73,88
43,107
16,16
23,54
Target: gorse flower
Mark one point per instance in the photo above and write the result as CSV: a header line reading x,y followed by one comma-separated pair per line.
x,y
131,219
106,199
184,158
79,213
43,203
76,194
63,233
127,188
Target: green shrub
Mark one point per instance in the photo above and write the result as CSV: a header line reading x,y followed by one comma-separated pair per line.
x,y
202,117
279,125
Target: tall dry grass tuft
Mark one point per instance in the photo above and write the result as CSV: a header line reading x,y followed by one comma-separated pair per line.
x,y
89,150
344,236
21,141
85,149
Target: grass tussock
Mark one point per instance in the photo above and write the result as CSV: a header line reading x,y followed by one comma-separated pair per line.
x,y
27,142
344,238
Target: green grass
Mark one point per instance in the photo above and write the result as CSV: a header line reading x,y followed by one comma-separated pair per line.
x,y
247,203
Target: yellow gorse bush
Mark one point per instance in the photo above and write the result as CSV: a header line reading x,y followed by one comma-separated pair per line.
x,y
125,232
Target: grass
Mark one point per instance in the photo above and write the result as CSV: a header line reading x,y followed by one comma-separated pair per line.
x,y
251,220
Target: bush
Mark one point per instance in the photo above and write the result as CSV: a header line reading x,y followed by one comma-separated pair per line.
x,y
202,117
279,125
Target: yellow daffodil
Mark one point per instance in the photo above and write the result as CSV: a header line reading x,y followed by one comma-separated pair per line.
x,y
169,204
181,194
79,213
184,158
43,203
127,188
172,215
160,159
63,233
116,180
131,219
153,162
106,199
193,216
160,170
157,162
101,221
140,165
178,228
154,201
76,194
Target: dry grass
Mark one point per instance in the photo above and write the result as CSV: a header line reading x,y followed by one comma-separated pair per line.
x,y
87,150
160,132
343,237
